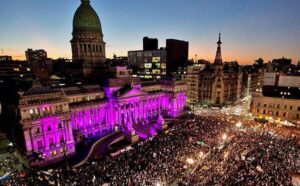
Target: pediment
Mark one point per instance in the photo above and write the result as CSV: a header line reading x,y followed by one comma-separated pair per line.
x,y
133,92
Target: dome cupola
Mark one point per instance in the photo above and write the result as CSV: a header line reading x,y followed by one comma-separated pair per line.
x,y
86,19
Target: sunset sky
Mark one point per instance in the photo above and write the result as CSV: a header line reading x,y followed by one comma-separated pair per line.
x,y
250,28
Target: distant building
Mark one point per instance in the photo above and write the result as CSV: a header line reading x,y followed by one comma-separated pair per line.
x,y
177,55
279,99
148,64
39,63
15,70
192,81
5,58
117,61
159,63
35,55
150,43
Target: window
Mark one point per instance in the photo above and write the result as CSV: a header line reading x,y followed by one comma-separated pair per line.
x,y
37,130
53,153
51,142
59,125
291,107
277,113
298,108
84,46
264,112
265,105
61,139
63,150
49,128
40,145
284,114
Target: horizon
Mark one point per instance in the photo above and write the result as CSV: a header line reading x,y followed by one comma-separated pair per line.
x,y
250,30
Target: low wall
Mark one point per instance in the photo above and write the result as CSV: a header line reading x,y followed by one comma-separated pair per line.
x,y
92,149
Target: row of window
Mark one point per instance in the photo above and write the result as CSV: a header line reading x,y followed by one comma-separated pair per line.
x,y
45,110
49,128
40,145
90,48
278,106
277,113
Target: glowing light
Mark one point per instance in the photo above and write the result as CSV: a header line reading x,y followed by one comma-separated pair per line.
x,y
224,137
239,124
201,154
190,161
158,184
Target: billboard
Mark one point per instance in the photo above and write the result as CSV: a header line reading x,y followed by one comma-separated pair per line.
x,y
269,78
289,81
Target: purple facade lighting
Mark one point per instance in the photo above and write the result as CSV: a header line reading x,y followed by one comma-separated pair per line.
x,y
57,134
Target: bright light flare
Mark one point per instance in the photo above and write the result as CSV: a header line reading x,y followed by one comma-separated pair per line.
x,y
201,154
224,137
239,124
158,184
190,161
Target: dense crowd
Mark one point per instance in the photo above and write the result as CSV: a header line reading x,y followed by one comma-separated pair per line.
x,y
203,150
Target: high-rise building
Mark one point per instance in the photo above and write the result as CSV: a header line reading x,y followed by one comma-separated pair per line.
x,y
177,55
87,43
150,43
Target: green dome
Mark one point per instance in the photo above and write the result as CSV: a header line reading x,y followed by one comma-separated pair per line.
x,y
86,19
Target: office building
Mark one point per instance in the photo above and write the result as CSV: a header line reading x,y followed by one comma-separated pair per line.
x,y
149,64
177,55
150,43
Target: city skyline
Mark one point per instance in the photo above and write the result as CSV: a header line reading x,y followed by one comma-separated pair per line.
x,y
249,29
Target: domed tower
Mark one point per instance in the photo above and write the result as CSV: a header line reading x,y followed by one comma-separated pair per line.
x,y
87,43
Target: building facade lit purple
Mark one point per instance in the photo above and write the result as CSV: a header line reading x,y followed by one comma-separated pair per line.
x,y
53,121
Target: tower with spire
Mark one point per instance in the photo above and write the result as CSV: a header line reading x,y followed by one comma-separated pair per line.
x,y
218,59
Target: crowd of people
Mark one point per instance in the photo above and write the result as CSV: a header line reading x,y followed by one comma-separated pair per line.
x,y
201,150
